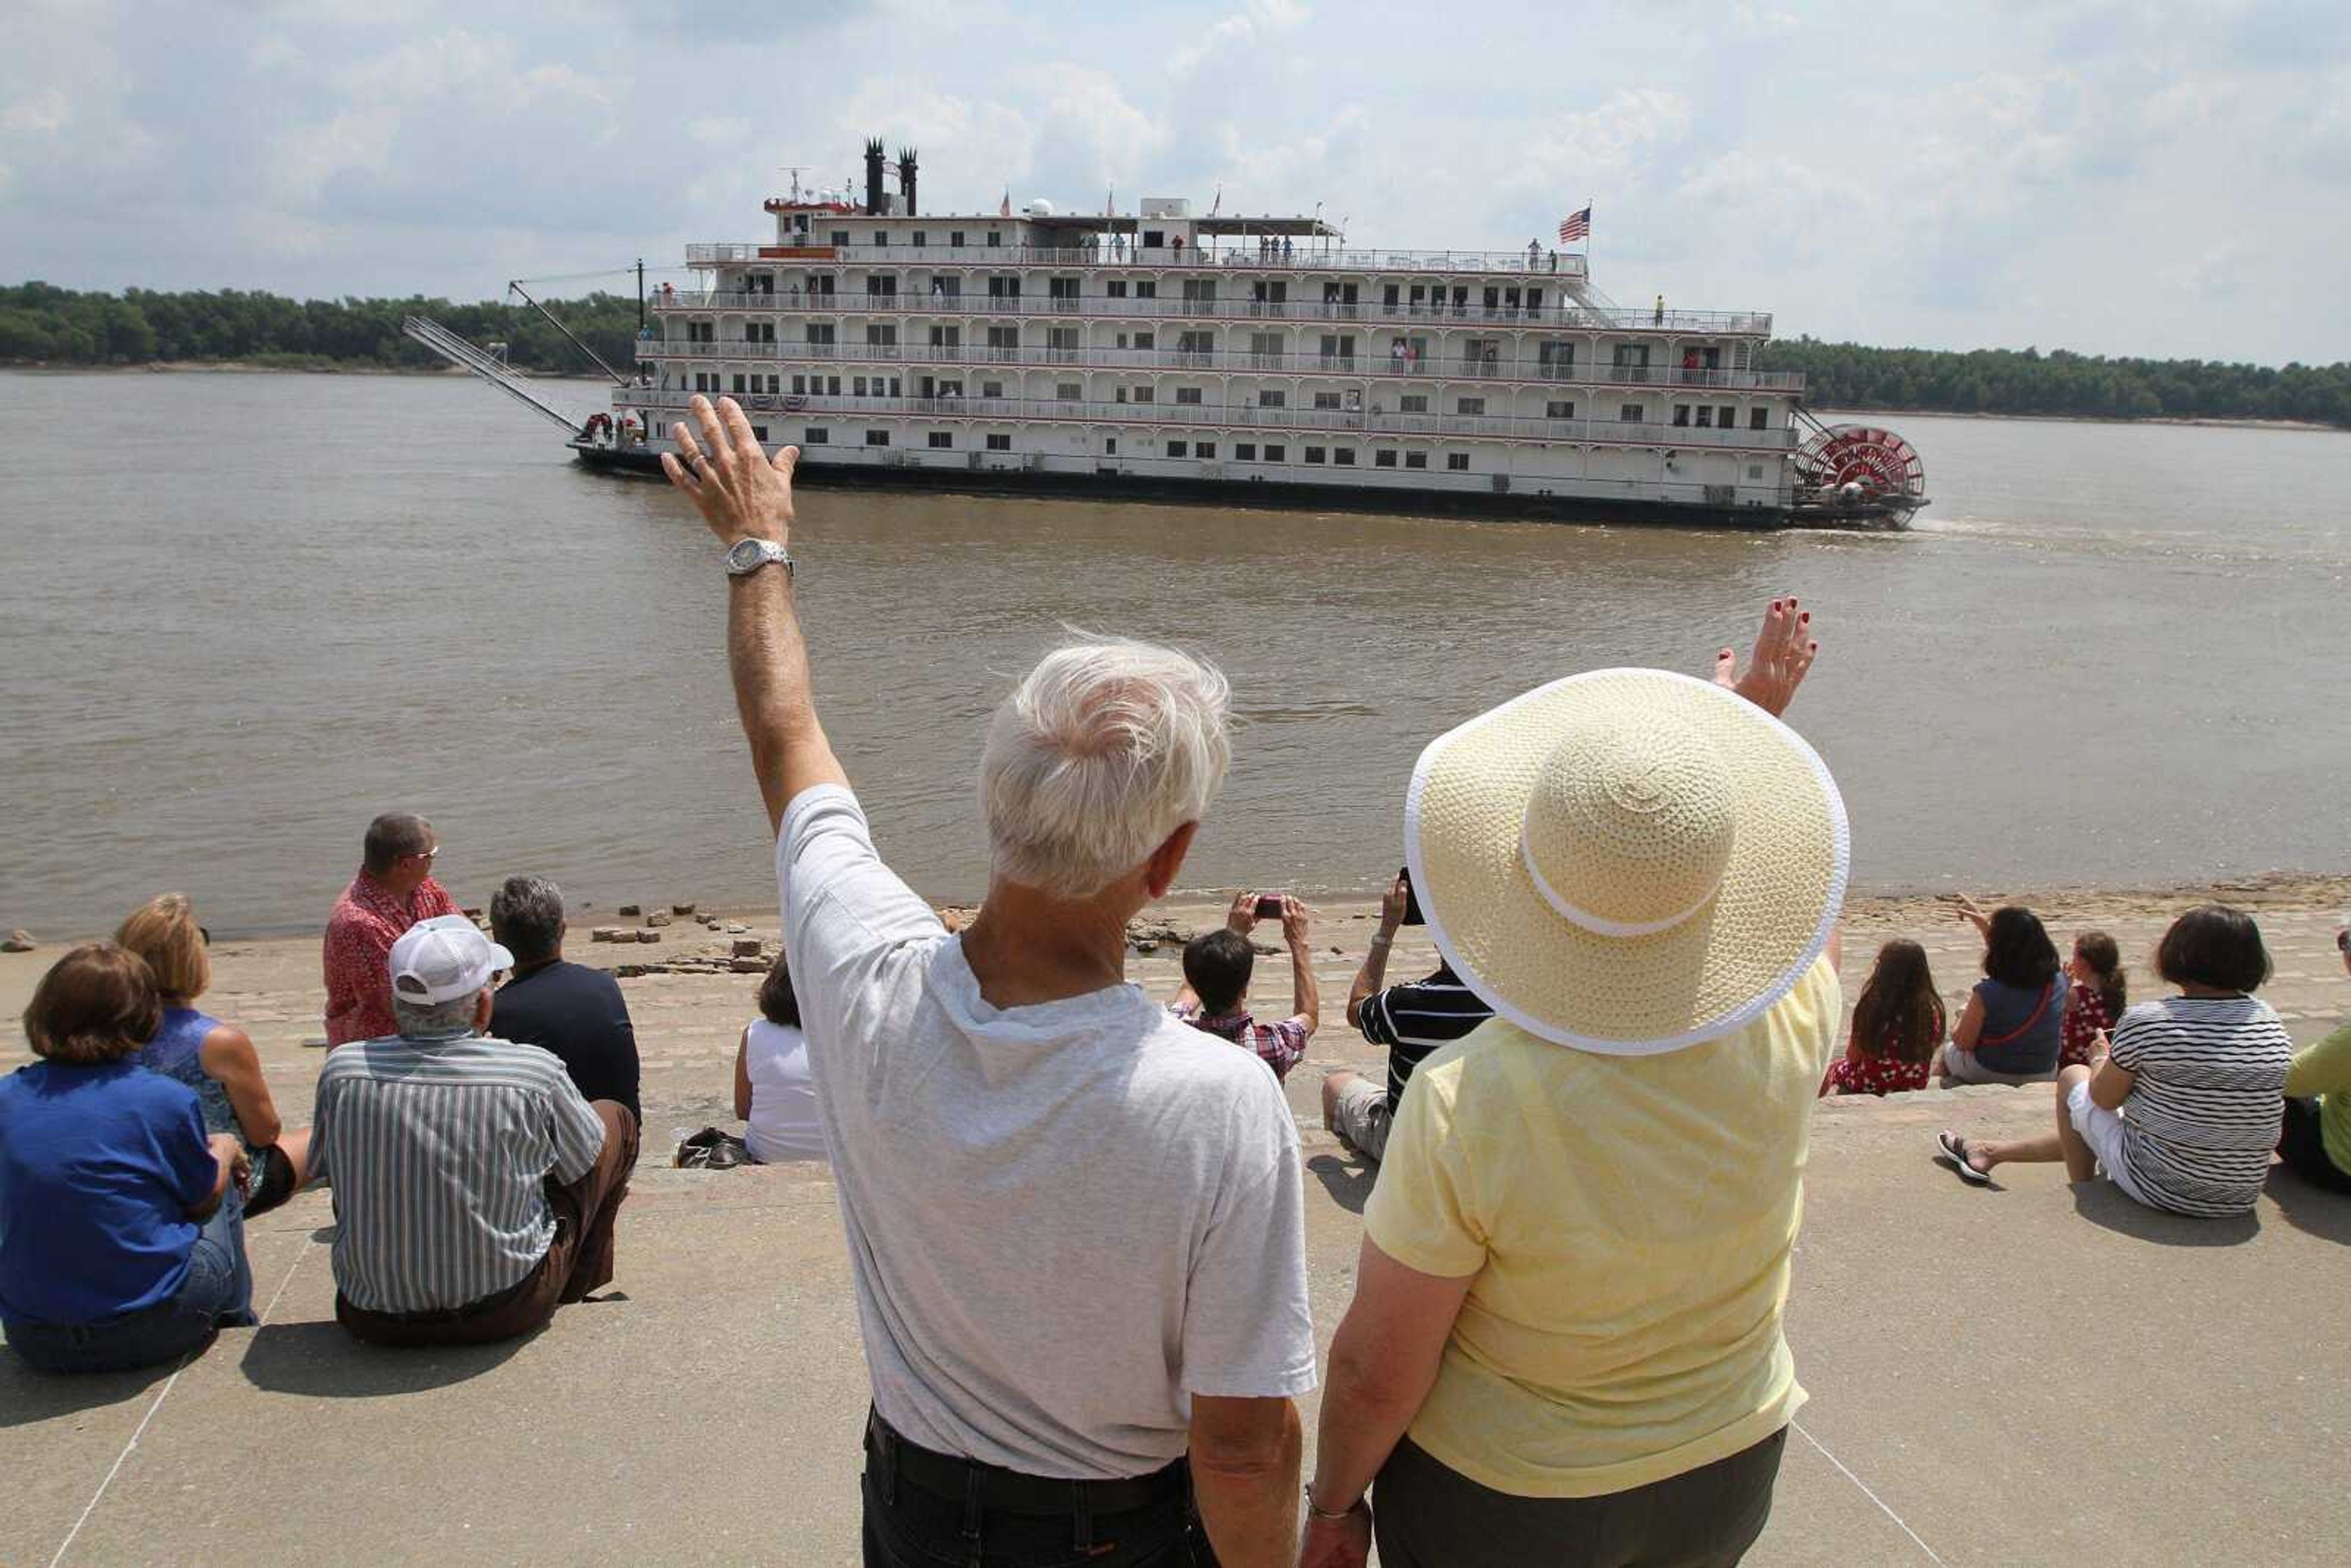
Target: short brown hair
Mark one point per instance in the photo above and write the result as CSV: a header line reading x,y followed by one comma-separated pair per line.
x,y
778,1003
165,931
2215,947
98,1003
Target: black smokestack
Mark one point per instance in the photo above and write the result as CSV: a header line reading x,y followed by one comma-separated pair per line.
x,y
906,178
874,203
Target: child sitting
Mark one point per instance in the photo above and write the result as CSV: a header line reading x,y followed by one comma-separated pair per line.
x,y
2183,1111
2096,998
1896,1027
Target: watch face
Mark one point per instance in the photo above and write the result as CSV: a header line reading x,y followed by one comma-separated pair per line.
x,y
746,555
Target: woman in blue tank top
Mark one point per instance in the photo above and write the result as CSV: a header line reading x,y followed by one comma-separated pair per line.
x,y
2014,1025
216,1060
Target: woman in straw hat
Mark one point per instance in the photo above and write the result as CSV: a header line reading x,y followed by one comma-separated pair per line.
x,y
1564,1345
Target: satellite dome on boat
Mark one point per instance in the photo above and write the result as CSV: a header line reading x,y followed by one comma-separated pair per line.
x,y
1041,208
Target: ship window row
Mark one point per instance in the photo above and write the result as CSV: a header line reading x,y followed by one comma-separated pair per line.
x,y
1701,416
1069,286
1243,451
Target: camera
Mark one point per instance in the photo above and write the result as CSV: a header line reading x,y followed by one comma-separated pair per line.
x,y
1411,898
1269,906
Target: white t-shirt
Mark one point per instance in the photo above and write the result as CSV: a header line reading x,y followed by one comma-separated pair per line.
x,y
1064,1220
782,1124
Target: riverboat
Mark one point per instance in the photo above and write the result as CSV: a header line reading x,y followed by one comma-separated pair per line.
x,y
1161,353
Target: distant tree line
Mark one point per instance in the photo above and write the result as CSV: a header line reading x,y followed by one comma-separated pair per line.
x,y
2007,381
39,323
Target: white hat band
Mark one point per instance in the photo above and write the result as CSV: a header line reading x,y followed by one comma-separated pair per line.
x,y
1600,924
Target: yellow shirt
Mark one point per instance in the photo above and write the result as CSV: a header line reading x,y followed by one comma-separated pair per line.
x,y
2325,1070
1629,1220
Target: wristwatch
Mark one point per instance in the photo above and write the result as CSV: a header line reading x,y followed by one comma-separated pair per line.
x,y
748,556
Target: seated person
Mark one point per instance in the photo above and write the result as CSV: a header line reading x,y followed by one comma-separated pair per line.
x,y
568,1009
473,1155
1411,1019
216,1060
1898,1027
2184,1110
2096,1000
2014,1025
121,1239
1217,967
2316,1141
773,1092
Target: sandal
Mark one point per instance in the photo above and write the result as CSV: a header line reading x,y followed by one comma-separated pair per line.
x,y
1955,1149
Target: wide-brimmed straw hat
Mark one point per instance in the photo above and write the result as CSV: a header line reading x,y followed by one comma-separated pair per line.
x,y
1629,861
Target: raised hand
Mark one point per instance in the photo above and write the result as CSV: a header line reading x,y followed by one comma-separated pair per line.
x,y
1294,920
739,492
1393,903
1784,650
1242,915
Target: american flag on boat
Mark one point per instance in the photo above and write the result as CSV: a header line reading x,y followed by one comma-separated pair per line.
x,y
1575,227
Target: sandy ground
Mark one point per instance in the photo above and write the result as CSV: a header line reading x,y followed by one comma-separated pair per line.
x,y
2031,1374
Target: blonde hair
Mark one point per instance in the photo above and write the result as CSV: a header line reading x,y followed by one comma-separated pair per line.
x,y
165,931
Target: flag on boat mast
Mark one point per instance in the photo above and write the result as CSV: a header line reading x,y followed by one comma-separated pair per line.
x,y
1004,210
1576,226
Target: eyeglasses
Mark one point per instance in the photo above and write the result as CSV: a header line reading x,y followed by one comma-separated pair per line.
x,y
206,934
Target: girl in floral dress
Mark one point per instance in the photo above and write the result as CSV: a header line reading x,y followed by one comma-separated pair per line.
x,y
1898,1027
2097,999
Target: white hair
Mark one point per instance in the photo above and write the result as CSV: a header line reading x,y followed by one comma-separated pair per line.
x,y
1107,747
454,1016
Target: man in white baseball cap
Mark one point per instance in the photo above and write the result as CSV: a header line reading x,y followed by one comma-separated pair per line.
x,y
464,1216
1564,1345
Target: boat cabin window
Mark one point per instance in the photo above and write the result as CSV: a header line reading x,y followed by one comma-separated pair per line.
x,y
996,237
1705,415
1277,453
880,240
1556,409
1758,419
1383,458
1726,416
1470,405
1146,288
921,238
1116,288
1004,286
816,435
1273,398
1413,402
1415,459
1457,461
1629,413
1155,238
1631,356
1198,288
1328,400
999,443
841,237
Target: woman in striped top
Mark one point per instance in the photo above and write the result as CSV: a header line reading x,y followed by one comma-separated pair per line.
x,y
2182,1112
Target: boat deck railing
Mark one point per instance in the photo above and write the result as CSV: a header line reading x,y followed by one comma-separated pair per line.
x,y
1191,416
1568,314
1427,367
1246,255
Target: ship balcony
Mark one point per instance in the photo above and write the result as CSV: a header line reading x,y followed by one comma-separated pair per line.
x,y
1184,416
1568,316
1358,366
1218,256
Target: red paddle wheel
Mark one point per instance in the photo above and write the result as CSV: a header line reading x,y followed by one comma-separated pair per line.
x,y
1860,469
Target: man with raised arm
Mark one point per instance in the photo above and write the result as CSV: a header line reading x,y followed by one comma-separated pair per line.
x,y
1076,1226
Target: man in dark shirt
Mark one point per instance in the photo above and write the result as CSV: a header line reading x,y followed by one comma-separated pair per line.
x,y
1411,1019
568,1009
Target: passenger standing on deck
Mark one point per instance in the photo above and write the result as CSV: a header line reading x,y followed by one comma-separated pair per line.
x,y
1076,1226
392,891
1565,1346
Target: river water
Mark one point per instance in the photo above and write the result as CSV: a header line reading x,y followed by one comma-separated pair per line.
x,y
239,614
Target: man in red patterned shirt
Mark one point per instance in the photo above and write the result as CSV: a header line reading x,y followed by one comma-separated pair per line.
x,y
1214,997
392,891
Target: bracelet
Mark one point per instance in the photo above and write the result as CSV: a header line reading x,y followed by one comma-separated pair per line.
x,y
1382,938
1314,1510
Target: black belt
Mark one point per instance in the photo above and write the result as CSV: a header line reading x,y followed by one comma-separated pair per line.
x,y
960,1481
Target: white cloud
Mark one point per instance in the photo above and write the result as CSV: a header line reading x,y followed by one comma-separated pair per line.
x,y
1255,22
360,139
45,113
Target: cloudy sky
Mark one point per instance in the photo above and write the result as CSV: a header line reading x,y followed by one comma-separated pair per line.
x,y
2156,177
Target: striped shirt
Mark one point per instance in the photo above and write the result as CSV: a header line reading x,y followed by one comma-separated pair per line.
x,y
2203,1114
439,1150
1414,1019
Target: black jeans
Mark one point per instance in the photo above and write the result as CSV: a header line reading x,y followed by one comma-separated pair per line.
x,y
912,1526
1428,1516
2304,1151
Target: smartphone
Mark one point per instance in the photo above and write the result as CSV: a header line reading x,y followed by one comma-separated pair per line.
x,y
1269,906
1411,898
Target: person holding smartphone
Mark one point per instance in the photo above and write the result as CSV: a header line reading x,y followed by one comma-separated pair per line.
x,y
1217,968
1411,1019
